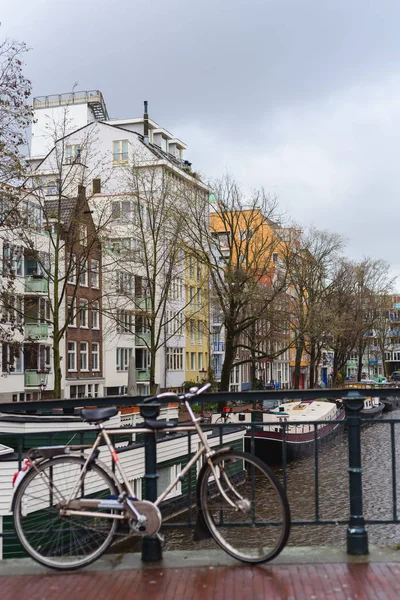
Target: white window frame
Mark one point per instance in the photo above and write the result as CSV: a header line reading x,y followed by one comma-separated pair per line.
x,y
95,315
122,359
71,307
84,314
71,351
120,151
83,354
94,273
95,356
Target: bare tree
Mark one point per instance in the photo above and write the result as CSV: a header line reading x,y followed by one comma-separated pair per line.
x,y
354,303
148,257
238,250
310,260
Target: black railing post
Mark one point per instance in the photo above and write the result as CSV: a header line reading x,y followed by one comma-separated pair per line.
x,y
357,536
151,545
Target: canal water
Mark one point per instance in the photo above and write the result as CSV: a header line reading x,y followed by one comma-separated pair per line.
x,y
333,489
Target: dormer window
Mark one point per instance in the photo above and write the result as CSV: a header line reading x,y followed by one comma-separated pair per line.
x,y
73,153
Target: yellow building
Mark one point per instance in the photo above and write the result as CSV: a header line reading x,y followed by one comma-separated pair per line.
x,y
197,352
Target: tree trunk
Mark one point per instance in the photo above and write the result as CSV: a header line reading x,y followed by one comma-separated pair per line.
x,y
153,385
227,367
57,370
312,366
360,362
297,365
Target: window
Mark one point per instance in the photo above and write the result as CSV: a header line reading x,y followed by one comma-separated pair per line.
x,y
165,477
123,356
11,359
192,332
124,321
198,298
176,289
95,356
95,316
71,356
121,210
191,266
199,332
83,353
192,294
83,313
71,315
71,277
193,361
200,361
123,282
52,188
120,151
83,233
175,359
13,259
198,270
275,257
121,245
72,153
94,273
83,276
96,186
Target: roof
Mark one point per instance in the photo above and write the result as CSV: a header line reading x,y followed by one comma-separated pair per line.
x,y
67,208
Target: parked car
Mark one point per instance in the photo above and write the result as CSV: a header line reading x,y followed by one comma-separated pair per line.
x,y
395,376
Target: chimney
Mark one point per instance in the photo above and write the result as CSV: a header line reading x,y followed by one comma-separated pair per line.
x,y
146,124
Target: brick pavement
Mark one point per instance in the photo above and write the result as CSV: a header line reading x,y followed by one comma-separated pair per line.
x,y
359,581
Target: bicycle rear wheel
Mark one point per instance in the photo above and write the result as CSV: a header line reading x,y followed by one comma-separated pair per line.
x,y
53,540
257,529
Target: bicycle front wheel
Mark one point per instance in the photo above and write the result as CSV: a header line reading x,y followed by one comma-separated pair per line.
x,y
62,542
256,529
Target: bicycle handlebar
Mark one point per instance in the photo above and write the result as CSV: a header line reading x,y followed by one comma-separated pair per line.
x,y
172,395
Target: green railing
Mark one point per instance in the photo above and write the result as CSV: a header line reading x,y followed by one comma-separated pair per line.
x,y
37,285
143,303
142,339
36,331
142,375
33,379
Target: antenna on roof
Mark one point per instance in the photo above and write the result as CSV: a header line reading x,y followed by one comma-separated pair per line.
x,y
146,123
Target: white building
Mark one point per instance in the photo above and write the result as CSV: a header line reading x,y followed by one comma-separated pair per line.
x,y
74,130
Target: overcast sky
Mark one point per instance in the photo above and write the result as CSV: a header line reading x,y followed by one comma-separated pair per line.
x,y
300,96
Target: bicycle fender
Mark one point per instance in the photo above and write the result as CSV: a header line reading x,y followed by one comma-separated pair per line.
x,y
201,530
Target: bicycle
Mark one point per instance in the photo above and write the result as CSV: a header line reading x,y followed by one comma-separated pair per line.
x,y
225,416
67,505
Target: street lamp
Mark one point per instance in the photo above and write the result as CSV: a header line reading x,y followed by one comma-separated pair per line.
x,y
42,382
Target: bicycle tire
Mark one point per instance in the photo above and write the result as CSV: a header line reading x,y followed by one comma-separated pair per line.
x,y
62,542
223,420
242,532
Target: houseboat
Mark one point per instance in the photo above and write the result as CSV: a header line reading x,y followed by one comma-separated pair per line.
x,y
281,425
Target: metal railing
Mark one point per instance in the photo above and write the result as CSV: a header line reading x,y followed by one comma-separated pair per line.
x,y
353,521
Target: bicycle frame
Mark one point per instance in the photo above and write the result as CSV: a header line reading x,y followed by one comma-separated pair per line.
x,y
105,433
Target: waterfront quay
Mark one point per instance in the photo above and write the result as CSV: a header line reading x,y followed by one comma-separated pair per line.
x,y
297,574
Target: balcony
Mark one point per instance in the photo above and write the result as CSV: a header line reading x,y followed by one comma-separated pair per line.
x,y
143,304
33,378
142,339
37,285
142,375
218,346
36,331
